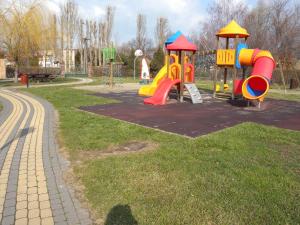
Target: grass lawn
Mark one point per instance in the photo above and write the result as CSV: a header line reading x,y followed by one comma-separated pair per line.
x,y
289,95
248,174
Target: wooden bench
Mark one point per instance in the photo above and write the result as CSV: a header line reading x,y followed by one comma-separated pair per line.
x,y
38,77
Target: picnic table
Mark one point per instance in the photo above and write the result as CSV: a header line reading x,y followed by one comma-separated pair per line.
x,y
40,77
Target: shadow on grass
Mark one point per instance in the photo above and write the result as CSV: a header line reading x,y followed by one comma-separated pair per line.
x,y
120,215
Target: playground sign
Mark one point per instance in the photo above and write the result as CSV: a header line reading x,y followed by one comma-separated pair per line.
x,y
145,70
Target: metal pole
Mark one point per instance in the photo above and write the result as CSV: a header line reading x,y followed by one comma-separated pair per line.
x,y
216,70
235,72
111,74
181,58
134,67
226,69
84,58
85,55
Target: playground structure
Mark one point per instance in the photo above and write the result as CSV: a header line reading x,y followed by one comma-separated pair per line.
x,y
256,86
111,69
109,55
177,71
174,68
112,73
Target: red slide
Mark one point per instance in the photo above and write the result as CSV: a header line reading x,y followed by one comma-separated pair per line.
x,y
162,91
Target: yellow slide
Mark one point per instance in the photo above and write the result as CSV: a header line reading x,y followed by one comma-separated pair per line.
x,y
148,90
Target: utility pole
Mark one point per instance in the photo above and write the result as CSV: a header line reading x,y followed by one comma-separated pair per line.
x,y
137,54
85,40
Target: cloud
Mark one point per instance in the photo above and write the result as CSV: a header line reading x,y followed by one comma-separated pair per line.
x,y
183,15
53,6
99,11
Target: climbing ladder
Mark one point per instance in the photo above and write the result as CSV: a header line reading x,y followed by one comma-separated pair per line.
x,y
194,93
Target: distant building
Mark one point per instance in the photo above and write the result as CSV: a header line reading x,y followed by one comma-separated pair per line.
x,y
297,65
2,69
51,60
70,59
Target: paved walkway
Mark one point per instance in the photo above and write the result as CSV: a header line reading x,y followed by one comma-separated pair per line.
x,y
32,189
79,81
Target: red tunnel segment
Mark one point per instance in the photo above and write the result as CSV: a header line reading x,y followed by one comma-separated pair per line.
x,y
263,66
257,85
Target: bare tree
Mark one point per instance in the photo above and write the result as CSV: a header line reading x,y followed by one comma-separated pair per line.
x,y
285,28
54,36
109,21
62,36
95,42
220,13
257,23
141,31
69,20
101,41
90,36
49,35
21,29
81,43
161,31
275,25
87,40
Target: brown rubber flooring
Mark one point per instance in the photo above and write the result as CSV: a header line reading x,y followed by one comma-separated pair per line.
x,y
195,120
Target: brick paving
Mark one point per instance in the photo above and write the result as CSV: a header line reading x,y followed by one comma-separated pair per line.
x,y
32,189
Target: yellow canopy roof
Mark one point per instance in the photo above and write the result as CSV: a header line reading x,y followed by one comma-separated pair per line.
x,y
231,30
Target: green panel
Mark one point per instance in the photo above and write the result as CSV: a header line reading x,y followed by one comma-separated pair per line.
x,y
109,54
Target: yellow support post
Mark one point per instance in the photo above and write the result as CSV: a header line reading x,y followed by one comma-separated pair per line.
x,y
216,71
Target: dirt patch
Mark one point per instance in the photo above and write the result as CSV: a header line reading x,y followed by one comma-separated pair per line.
x,y
127,148
119,88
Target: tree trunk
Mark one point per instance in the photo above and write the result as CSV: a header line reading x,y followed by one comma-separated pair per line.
x,y
81,58
96,58
62,70
100,56
67,47
16,73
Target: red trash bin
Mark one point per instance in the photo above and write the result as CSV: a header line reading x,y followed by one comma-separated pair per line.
x,y
24,79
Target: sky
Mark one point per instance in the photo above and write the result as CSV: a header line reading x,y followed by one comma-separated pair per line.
x,y
183,15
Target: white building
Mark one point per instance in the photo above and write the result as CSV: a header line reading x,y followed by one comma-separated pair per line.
x,y
2,69
50,60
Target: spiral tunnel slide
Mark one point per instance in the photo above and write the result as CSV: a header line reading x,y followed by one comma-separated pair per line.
x,y
256,86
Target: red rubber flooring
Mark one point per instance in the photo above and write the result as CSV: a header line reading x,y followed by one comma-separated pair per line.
x,y
196,120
